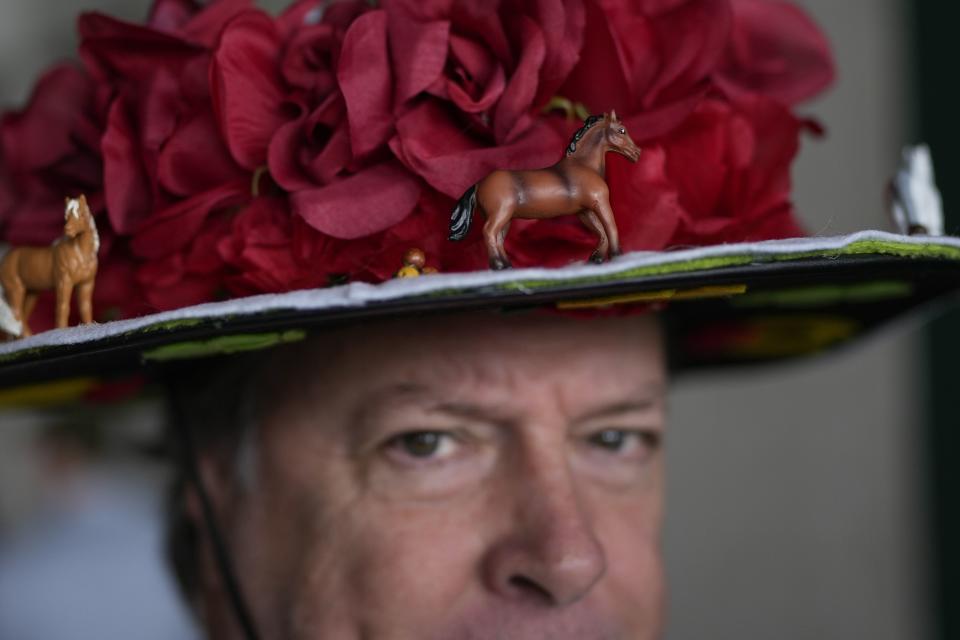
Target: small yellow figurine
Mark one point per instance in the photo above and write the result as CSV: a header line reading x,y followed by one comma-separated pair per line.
x,y
413,265
408,271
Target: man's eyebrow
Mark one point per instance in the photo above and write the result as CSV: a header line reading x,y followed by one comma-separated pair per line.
x,y
609,410
406,391
473,411
378,399
396,390
647,401
372,404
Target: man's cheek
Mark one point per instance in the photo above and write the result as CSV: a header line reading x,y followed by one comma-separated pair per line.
x,y
639,596
398,570
633,588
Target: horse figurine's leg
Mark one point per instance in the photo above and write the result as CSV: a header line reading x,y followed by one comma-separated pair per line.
x,y
592,222
64,292
493,231
15,294
500,238
29,302
490,239
601,207
85,301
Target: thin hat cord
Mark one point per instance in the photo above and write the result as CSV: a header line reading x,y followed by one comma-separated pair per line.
x,y
221,556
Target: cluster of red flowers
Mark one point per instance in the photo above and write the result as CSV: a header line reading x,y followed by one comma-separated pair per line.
x,y
230,152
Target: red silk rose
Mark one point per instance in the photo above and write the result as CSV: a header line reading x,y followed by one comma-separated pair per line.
x,y
705,85
777,50
324,143
229,152
471,78
314,147
160,142
162,153
48,150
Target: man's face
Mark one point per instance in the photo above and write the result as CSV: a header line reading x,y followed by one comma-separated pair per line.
x,y
469,477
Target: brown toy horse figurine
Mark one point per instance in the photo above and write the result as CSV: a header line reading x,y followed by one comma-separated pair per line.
x,y
575,185
71,261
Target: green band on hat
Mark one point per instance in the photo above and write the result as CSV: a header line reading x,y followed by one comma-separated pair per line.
x,y
222,345
829,294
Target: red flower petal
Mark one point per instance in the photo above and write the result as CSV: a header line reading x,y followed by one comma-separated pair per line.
x,y
260,251
194,159
206,26
44,132
170,15
638,60
731,168
297,15
157,106
419,51
36,217
247,91
603,81
128,189
562,23
777,50
692,41
651,125
111,47
309,57
203,256
305,13
167,284
284,156
117,294
698,157
370,201
654,8
645,203
311,150
364,75
765,183
436,148
512,115
173,228
483,70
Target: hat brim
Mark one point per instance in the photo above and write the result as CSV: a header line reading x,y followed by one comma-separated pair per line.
x,y
726,304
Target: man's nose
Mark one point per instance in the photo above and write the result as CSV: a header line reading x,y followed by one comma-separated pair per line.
x,y
550,553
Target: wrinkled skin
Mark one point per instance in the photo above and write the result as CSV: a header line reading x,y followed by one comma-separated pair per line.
x,y
458,478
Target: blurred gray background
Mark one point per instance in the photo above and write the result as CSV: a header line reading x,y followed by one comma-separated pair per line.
x,y
796,495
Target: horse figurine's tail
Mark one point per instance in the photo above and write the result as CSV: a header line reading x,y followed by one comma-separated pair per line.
x,y
9,322
462,214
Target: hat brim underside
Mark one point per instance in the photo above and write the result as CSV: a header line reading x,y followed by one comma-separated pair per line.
x,y
741,304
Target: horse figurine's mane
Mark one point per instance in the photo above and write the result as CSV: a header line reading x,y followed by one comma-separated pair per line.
x,y
589,122
73,208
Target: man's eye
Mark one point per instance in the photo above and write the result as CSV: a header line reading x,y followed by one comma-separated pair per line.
x,y
612,439
422,444
625,442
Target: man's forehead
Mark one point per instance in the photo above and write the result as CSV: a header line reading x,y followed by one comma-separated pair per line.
x,y
633,394
483,357
465,339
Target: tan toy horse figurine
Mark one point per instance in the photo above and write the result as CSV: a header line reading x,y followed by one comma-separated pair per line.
x,y
575,185
71,261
